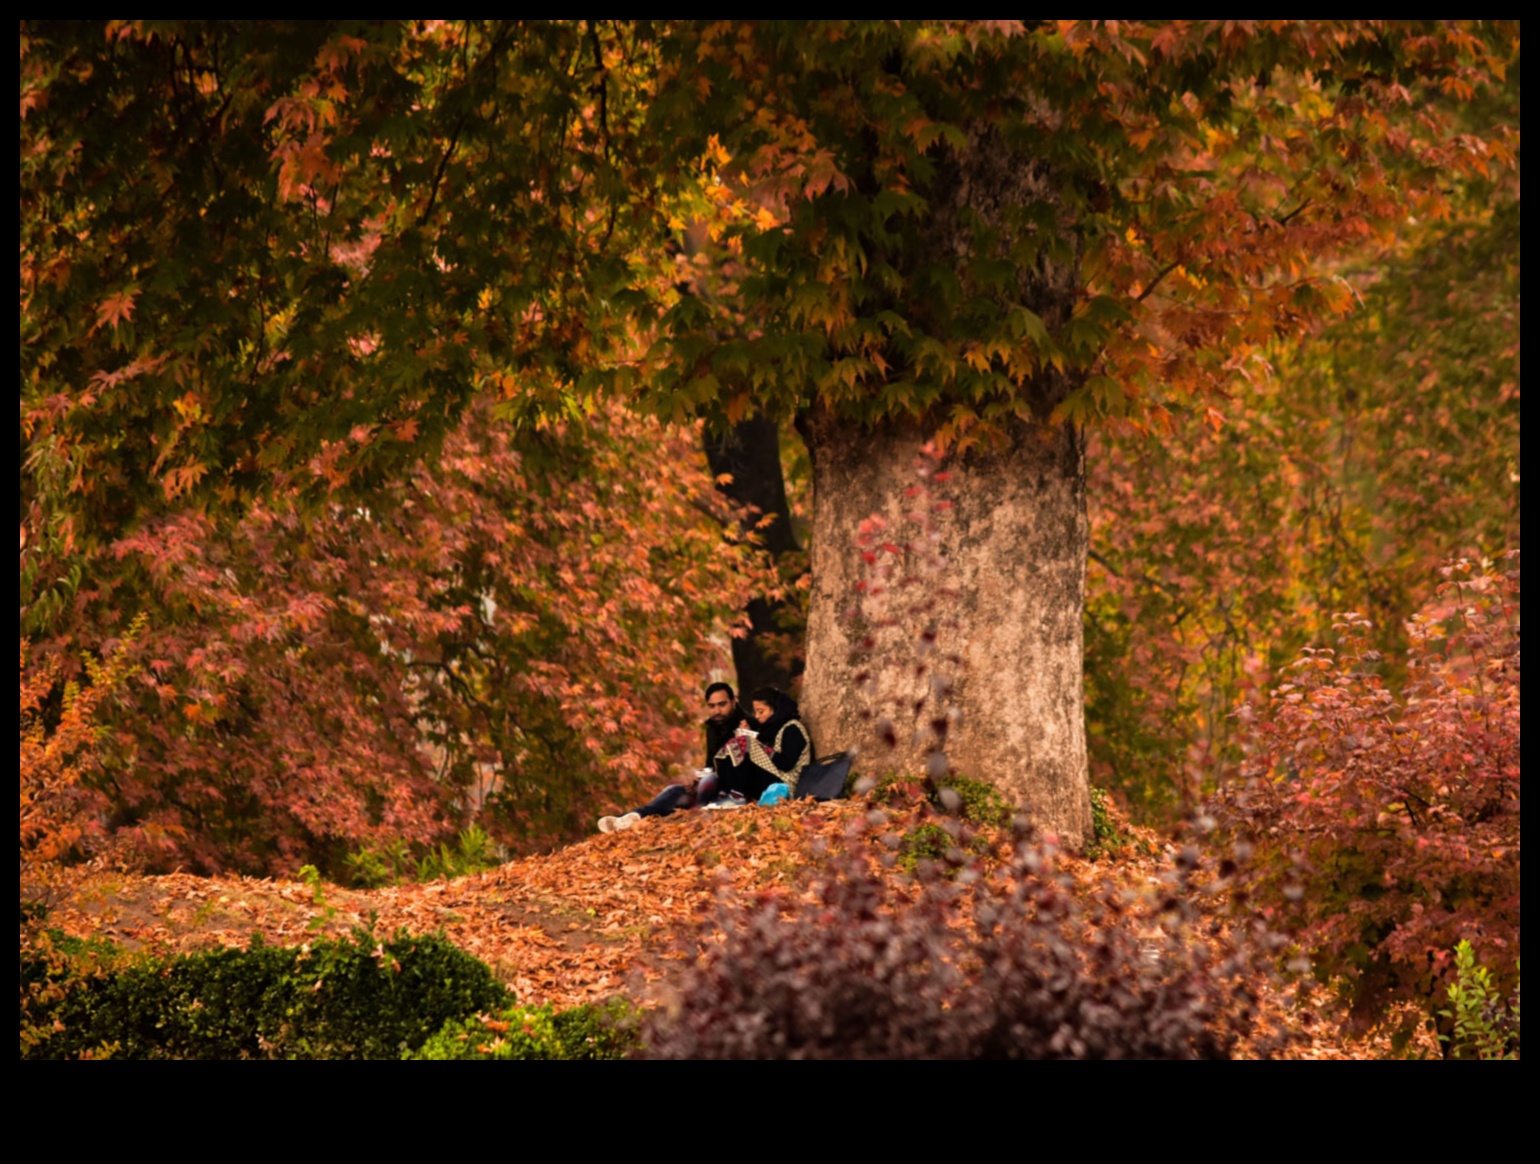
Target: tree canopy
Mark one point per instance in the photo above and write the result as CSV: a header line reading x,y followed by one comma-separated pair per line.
x,y
267,250
404,413
269,267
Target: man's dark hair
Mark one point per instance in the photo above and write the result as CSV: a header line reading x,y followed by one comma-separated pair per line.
x,y
715,687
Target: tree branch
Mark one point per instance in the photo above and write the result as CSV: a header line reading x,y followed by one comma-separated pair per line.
x,y
1298,210
1154,283
438,177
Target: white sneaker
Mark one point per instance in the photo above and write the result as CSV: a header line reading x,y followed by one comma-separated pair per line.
x,y
606,824
625,822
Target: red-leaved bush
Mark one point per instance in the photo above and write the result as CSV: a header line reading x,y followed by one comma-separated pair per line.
x,y
1021,964
516,634
1389,822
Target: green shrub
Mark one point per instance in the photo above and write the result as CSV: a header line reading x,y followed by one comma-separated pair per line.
x,y
893,790
349,999
982,803
926,842
1485,1026
472,852
51,965
608,1031
528,1032
1105,834
977,802
522,1032
371,868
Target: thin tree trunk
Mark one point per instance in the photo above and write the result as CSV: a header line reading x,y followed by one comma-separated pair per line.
x,y
750,453
1007,569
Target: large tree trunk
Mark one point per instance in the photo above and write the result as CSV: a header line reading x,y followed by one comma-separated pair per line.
x,y
1007,561
750,453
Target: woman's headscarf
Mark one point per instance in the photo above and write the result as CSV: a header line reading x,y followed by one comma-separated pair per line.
x,y
784,710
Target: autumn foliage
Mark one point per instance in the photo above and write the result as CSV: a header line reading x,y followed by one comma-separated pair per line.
x,y
329,256
364,367
1014,963
61,728
1390,819
515,633
1338,475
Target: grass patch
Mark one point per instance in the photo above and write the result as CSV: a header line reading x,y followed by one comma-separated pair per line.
x,y
1106,836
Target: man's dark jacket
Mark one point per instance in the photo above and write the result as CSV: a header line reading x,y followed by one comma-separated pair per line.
x,y
742,778
718,734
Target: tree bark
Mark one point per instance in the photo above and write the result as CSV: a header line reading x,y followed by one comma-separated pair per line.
x,y
1006,564
981,672
750,453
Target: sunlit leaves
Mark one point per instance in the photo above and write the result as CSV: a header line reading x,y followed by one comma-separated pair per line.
x,y
516,633
301,223
1391,823
1196,178
1335,475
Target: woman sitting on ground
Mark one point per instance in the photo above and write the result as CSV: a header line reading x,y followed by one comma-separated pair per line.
x,y
783,747
777,756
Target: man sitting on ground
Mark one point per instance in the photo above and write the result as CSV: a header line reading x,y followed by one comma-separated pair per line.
x,y
723,719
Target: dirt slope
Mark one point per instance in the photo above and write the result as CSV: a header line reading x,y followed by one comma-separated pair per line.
x,y
563,928
601,916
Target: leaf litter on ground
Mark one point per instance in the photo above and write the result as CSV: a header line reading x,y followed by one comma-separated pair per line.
x,y
612,914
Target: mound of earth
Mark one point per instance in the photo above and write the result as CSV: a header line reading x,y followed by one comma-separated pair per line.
x,y
611,914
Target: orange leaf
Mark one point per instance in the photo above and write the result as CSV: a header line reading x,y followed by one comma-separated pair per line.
x,y
115,309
